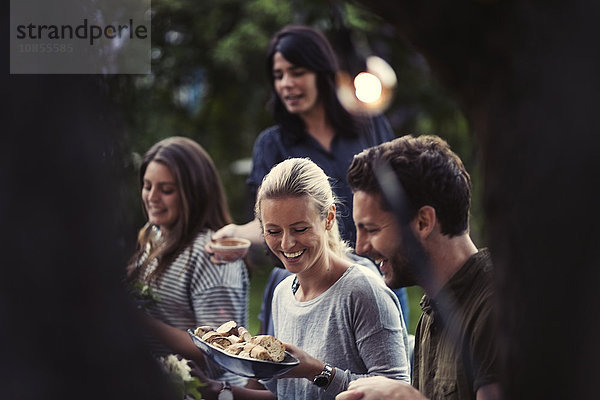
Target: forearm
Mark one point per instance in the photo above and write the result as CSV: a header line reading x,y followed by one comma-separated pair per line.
x,y
176,339
379,387
251,231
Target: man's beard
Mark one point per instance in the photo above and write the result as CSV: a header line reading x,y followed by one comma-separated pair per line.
x,y
403,265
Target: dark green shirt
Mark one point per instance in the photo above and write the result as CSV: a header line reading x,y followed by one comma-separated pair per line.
x,y
455,342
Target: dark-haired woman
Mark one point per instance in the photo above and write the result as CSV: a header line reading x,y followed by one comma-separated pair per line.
x,y
311,122
185,203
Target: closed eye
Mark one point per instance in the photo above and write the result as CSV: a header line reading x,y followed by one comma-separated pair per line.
x,y
369,230
298,72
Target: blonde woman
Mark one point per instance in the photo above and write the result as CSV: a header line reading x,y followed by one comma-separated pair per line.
x,y
337,317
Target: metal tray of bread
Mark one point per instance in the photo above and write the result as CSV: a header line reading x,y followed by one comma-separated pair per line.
x,y
243,366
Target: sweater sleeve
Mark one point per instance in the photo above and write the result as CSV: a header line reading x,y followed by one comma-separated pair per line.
x,y
377,357
381,338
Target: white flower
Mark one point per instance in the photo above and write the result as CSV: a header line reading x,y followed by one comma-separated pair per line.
x,y
178,372
176,367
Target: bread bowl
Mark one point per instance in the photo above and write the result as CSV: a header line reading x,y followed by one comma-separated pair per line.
x,y
238,341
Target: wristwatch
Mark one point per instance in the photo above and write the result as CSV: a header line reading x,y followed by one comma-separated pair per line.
x,y
225,393
324,377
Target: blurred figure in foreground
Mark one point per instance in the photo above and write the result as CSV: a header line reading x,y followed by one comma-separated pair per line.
x,y
67,327
455,345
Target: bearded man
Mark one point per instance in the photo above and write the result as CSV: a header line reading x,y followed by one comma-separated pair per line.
x,y
421,237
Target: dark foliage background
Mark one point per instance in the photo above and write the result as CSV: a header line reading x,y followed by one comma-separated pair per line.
x,y
209,82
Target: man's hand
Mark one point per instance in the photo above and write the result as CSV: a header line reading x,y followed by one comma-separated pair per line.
x,y
380,388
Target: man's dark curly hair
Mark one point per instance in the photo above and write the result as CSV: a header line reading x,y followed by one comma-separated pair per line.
x,y
430,173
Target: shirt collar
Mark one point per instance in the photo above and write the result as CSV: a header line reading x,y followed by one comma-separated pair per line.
x,y
430,306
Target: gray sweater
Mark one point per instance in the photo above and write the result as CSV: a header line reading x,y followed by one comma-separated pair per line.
x,y
356,326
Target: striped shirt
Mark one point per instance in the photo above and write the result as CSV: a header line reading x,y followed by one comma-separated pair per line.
x,y
193,292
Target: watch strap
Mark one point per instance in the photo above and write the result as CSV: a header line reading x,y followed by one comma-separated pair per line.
x,y
323,379
226,391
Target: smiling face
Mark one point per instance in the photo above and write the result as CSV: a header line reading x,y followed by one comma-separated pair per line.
x,y
295,232
160,196
296,86
378,236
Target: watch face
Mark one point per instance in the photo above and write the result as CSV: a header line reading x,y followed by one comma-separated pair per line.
x,y
324,377
321,381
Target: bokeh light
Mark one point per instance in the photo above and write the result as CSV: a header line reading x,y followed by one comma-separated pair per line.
x,y
371,91
367,87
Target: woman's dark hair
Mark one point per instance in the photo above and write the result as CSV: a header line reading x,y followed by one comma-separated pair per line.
x,y
203,204
308,48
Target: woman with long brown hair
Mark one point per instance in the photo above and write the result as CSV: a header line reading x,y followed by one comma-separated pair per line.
x,y
184,202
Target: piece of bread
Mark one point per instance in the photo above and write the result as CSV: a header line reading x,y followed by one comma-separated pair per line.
x,y
238,341
260,353
247,349
216,339
234,339
244,354
207,337
244,334
228,328
201,330
235,348
221,342
274,347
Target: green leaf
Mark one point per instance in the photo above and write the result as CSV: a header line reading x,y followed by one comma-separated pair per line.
x,y
191,388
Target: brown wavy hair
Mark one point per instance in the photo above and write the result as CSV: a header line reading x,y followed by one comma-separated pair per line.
x,y
203,203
